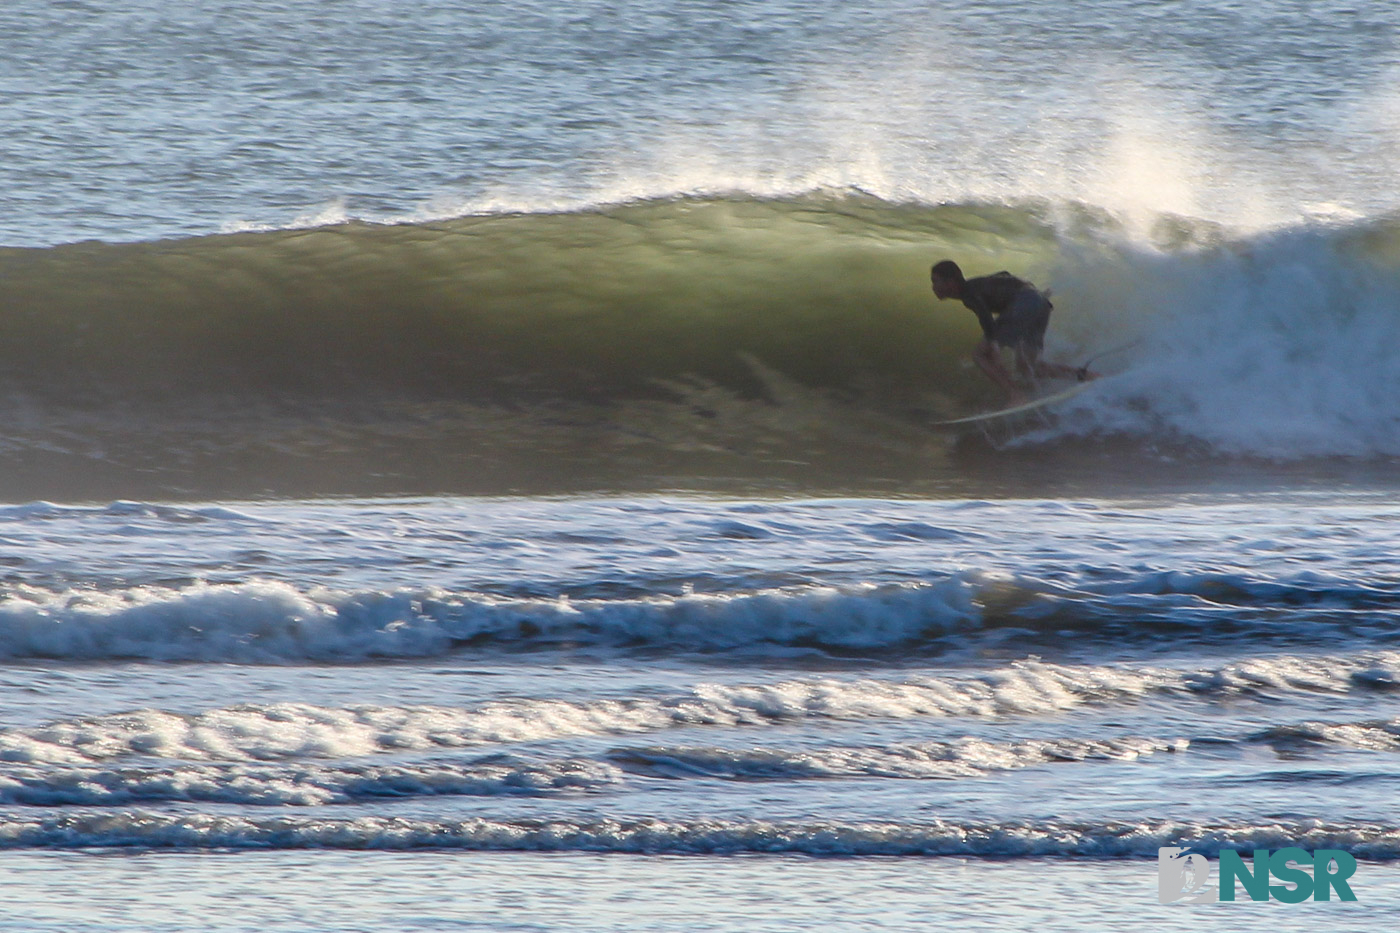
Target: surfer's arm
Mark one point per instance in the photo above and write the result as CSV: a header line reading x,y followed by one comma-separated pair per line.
x,y
984,317
988,359
989,325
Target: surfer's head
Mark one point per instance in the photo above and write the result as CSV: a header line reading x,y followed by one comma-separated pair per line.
x,y
947,279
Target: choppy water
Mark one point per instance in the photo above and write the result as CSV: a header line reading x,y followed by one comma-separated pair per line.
x,y
657,677
729,637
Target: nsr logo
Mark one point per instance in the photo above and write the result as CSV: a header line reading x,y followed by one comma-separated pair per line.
x,y
1183,875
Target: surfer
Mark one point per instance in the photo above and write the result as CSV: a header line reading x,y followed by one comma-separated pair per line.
x,y
1013,313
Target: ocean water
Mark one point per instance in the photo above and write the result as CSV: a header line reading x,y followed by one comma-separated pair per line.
x,y
473,466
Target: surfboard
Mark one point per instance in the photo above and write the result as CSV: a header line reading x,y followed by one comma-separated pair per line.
x,y
1042,402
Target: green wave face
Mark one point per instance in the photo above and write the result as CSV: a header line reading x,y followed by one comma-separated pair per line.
x,y
831,291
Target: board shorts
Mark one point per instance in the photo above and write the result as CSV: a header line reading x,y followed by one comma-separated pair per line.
x,y
1023,322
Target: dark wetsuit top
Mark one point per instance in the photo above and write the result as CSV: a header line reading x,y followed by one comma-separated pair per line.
x,y
990,295
1012,313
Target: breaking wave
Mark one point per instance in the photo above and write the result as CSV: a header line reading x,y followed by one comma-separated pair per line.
x,y
1014,839
305,784
284,731
968,757
262,622
299,786
675,337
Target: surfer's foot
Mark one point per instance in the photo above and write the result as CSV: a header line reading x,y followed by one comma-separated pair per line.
x,y
1084,375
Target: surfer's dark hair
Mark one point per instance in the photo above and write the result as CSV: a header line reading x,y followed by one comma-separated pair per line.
x,y
947,269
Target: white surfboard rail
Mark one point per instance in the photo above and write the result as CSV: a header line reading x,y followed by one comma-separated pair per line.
x,y
1032,405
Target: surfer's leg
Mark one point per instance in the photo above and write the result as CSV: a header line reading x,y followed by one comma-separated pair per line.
x,y
1022,328
1028,361
1027,319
